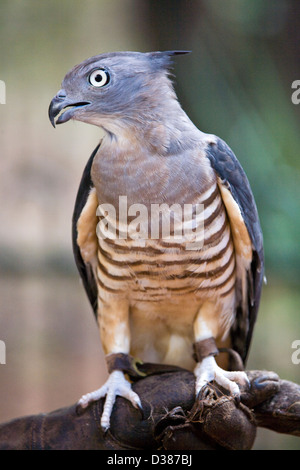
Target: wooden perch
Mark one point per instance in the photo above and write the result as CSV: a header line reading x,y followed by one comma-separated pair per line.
x,y
171,420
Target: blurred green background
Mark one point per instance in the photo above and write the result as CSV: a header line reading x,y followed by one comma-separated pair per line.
x,y
236,84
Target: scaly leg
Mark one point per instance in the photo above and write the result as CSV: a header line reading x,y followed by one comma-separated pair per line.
x,y
116,384
115,338
205,331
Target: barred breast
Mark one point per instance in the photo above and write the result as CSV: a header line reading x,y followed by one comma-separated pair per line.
x,y
163,270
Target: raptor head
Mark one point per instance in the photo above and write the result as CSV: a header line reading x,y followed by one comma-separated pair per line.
x,y
115,87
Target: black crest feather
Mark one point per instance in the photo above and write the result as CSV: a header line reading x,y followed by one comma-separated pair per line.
x,y
163,59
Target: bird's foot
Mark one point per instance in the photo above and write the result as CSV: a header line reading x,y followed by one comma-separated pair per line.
x,y
116,384
208,370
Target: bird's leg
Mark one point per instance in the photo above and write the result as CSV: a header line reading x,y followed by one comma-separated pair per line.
x,y
115,338
207,369
116,384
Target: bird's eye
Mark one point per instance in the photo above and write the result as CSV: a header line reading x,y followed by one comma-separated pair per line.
x,y
99,78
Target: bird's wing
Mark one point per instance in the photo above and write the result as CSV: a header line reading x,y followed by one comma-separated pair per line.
x,y
84,232
247,236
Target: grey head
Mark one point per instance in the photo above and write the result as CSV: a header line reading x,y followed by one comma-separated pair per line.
x,y
131,87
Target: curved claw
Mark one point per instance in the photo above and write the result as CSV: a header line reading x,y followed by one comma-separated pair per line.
x,y
116,384
208,370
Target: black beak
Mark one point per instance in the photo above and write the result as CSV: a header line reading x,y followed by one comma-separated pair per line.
x,y
57,104
60,102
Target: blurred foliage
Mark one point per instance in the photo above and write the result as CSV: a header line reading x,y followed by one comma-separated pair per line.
x,y
237,84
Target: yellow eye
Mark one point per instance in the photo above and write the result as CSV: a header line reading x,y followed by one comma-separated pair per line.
x,y
99,78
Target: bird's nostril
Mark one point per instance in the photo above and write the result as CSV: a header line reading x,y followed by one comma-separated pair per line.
x,y
61,94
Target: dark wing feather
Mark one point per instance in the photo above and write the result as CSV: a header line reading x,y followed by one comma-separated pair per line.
x,y
84,269
234,178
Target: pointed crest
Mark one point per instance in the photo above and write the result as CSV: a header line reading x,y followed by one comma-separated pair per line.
x,y
164,59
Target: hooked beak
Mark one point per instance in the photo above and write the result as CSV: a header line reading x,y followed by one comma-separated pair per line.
x,y
60,102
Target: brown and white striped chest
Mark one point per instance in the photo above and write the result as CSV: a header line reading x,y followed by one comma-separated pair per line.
x,y
153,270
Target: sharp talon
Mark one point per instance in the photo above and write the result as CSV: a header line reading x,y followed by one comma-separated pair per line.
x,y
237,400
208,371
116,385
104,429
146,411
139,406
143,412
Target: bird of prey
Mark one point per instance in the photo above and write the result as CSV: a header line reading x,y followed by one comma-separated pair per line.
x,y
174,297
